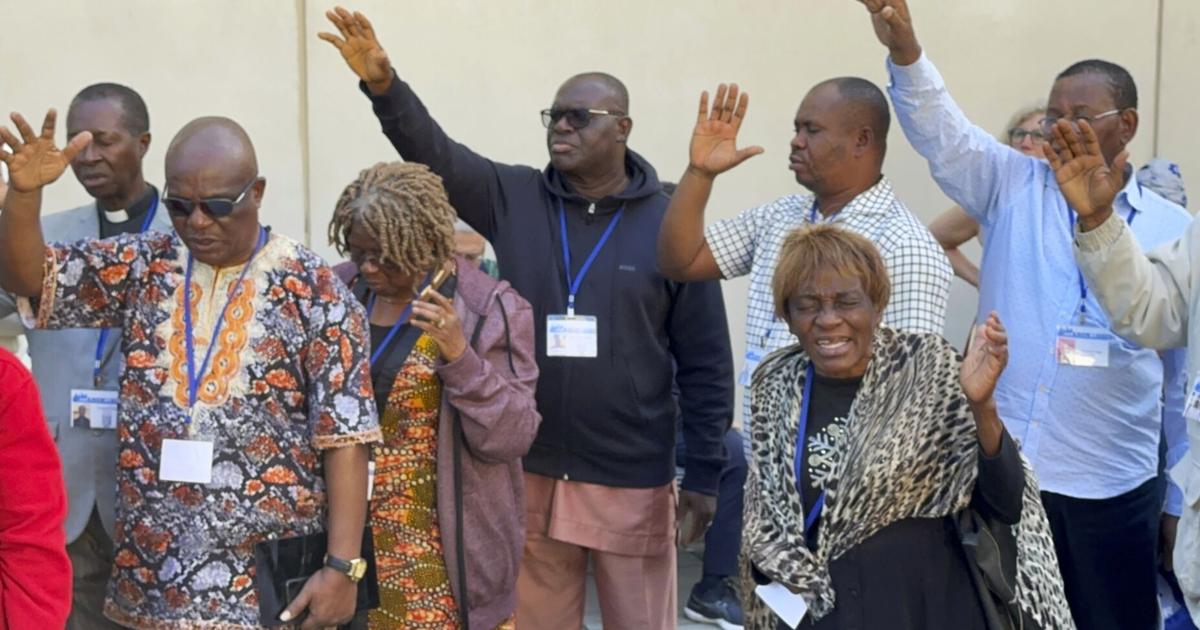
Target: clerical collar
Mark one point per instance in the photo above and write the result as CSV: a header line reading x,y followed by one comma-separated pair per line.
x,y
134,211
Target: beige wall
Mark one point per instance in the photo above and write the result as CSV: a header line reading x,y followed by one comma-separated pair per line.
x,y
486,68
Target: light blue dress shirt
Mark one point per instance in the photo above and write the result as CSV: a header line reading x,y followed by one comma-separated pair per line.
x,y
1090,433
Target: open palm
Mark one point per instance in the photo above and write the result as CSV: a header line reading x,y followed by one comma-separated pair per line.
x,y
714,140
1086,180
35,160
359,46
985,360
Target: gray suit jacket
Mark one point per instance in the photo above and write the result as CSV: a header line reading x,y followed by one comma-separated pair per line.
x,y
62,361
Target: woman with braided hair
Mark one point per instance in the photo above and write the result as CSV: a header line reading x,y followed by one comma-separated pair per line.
x,y
452,363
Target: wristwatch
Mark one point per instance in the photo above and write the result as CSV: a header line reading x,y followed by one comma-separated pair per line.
x,y
354,569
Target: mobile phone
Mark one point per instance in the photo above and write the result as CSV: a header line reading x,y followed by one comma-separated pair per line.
x,y
435,284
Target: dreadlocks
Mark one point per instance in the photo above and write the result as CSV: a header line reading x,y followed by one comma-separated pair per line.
x,y
403,206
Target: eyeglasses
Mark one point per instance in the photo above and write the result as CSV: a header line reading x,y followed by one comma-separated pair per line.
x,y
1017,135
360,257
1049,121
578,117
212,206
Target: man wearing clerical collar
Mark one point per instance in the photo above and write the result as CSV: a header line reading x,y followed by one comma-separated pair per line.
x,y
110,170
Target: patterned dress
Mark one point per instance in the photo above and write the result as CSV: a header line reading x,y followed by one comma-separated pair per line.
x,y
288,378
414,587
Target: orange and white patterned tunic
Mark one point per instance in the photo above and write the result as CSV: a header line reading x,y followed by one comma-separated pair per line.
x,y
288,378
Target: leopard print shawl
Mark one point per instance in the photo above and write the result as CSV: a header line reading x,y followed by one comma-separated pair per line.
x,y
910,452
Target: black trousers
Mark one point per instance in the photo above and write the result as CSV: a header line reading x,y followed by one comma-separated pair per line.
x,y
1108,553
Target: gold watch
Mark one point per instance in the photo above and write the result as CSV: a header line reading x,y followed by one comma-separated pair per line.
x,y
354,569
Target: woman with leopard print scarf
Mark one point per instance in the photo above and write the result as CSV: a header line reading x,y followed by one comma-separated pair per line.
x,y
898,435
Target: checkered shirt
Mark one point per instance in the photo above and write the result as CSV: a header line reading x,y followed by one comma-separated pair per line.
x,y
918,267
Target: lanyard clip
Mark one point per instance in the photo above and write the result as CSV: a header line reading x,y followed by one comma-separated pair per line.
x,y
571,305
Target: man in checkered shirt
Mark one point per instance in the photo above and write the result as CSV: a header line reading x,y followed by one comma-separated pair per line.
x,y
837,153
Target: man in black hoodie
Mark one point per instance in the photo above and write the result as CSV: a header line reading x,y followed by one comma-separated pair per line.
x,y
577,240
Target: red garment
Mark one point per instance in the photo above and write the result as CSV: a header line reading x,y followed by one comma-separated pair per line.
x,y
35,574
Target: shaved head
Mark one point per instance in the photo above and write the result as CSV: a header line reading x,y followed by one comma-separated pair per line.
x,y
212,143
863,105
212,158
618,95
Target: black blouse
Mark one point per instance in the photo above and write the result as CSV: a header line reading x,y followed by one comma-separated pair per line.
x,y
911,574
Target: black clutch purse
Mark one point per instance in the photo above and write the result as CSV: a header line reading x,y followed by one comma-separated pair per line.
x,y
284,565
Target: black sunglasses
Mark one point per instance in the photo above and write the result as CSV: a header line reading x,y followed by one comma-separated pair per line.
x,y
212,206
578,117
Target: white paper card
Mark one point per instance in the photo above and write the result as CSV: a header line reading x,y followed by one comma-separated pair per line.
x,y
1083,346
94,409
754,356
186,461
571,336
788,606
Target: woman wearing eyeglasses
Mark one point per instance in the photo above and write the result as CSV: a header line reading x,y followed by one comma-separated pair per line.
x,y
954,227
452,363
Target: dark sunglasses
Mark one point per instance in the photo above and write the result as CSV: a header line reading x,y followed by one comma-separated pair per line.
x,y
578,117
212,206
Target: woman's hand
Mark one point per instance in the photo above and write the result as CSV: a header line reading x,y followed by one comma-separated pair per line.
x,y
435,315
985,361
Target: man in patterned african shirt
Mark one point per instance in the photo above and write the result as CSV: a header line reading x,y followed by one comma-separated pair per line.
x,y
266,367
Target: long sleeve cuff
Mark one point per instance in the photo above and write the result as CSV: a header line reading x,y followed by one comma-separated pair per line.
x,y
1173,504
921,74
701,475
1100,238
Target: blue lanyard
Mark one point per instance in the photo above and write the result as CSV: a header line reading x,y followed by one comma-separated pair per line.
x,y
812,214
573,285
98,363
815,512
1083,292
400,322
194,376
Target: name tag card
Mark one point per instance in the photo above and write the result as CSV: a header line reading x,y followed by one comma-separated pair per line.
x,y
94,409
186,461
571,336
1083,346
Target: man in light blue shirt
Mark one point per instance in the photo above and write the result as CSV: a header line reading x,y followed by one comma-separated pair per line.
x,y
1084,404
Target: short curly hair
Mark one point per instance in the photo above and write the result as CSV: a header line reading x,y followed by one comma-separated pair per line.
x,y
404,207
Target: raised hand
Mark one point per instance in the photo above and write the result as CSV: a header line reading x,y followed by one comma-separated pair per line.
x,y
714,140
985,361
1087,182
360,48
894,28
35,161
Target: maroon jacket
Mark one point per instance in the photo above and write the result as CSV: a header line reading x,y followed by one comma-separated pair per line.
x,y
499,420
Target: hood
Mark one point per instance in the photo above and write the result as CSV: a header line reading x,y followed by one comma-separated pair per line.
x,y
643,182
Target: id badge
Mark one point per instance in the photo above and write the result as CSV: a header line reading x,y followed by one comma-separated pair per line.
x,y
1083,346
1191,408
571,336
94,409
186,461
754,356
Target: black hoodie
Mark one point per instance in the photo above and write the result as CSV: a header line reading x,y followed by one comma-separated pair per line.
x,y
608,420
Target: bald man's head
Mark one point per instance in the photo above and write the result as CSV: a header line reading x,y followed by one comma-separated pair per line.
x,y
863,105
841,137
213,190
618,95
589,125
210,142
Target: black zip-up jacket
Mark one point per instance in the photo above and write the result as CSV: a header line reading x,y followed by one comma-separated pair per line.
x,y
608,420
